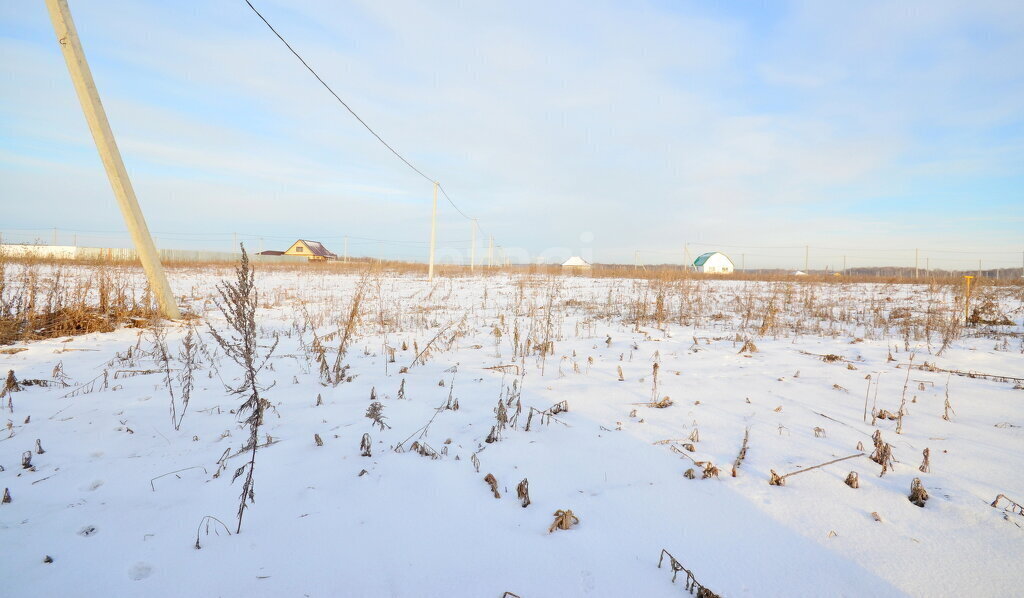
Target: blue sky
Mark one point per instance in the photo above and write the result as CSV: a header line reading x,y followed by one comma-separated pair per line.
x,y
598,128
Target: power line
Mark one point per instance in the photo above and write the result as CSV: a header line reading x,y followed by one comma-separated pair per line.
x,y
353,112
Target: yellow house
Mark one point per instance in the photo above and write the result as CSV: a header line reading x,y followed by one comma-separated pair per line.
x,y
313,250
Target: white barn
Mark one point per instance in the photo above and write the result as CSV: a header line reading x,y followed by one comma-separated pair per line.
x,y
714,262
575,262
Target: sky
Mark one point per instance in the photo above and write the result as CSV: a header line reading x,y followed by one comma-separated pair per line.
x,y
647,131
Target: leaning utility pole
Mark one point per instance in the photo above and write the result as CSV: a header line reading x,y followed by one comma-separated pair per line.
x,y
89,97
433,234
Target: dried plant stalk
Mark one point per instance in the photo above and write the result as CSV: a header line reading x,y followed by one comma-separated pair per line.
x,y
1014,506
564,519
523,492
883,452
918,495
493,483
777,480
692,586
238,302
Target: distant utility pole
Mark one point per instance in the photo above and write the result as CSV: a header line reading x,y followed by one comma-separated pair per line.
x,y
686,255
807,258
472,247
916,256
927,267
490,252
54,235
346,249
979,269
234,242
433,234
636,260
844,265
96,118
743,262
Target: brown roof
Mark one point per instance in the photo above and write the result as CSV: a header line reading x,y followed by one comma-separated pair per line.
x,y
271,252
318,249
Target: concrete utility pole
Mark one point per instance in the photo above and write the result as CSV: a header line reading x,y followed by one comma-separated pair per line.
x,y
743,262
54,236
916,256
346,249
490,252
472,248
807,258
433,234
844,265
96,118
234,241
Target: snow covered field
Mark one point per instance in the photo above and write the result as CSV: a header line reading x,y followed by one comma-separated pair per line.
x,y
416,518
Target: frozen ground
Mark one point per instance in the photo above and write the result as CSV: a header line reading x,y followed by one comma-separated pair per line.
x,y
99,500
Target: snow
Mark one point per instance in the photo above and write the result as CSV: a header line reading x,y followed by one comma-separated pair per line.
x,y
100,501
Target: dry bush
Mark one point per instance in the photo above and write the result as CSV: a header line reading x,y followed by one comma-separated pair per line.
x,y
46,300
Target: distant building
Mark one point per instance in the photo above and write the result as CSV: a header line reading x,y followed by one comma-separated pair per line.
x,y
714,262
575,262
313,250
270,252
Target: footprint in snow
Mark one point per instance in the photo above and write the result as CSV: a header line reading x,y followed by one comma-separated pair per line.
x,y
587,581
140,571
87,531
94,485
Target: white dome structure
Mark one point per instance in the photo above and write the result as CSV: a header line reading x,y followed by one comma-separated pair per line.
x,y
714,262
